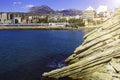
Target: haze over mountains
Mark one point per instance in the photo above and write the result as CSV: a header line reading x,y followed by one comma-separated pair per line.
x,y
44,9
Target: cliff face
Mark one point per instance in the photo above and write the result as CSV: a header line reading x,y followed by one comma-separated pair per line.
x,y
98,58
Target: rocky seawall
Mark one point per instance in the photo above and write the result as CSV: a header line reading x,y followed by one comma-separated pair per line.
x,y
98,58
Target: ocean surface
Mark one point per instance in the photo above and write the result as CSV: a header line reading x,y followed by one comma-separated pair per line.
x,y
26,54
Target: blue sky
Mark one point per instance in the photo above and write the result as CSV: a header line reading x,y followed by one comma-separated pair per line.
x,y
23,5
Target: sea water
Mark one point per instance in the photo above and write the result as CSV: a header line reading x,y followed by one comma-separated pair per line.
x,y
26,54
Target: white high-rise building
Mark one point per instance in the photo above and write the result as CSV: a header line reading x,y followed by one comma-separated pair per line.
x,y
89,13
102,11
90,9
102,8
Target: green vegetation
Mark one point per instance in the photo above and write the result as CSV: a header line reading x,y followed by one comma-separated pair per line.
x,y
40,20
76,23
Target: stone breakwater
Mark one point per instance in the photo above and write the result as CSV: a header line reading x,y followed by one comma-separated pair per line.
x,y
98,58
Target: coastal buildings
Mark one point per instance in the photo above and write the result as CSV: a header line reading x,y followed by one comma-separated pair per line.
x,y
89,16
89,13
102,11
16,20
98,16
10,18
6,18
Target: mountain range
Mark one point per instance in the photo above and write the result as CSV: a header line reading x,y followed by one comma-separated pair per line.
x,y
44,9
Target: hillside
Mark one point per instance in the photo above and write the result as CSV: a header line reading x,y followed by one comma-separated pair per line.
x,y
43,9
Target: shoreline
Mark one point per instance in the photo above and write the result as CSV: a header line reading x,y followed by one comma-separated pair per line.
x,y
34,28
42,28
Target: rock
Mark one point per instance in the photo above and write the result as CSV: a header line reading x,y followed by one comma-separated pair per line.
x,y
98,76
98,58
115,63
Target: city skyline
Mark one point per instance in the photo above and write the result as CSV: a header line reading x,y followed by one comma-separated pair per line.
x,y
24,5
